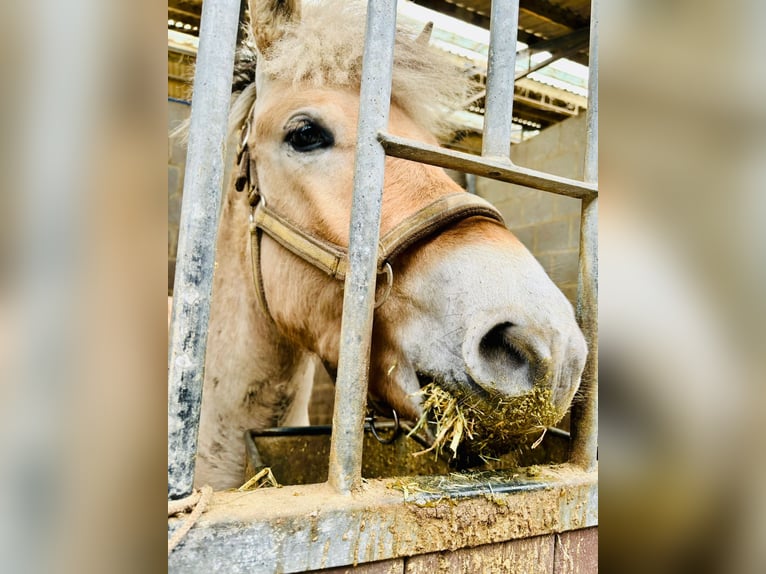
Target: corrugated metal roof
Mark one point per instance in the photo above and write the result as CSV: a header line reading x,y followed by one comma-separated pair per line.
x,y
538,19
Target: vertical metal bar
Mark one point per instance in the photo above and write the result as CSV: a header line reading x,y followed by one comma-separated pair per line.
x,y
359,292
591,116
501,69
585,414
196,241
470,183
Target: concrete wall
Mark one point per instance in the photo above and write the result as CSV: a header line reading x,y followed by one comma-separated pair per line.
x,y
548,224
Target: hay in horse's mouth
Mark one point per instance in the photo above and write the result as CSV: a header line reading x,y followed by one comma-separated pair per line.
x,y
486,426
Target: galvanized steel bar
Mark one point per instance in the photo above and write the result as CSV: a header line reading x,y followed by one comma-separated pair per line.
x,y
591,115
501,69
196,241
500,169
585,415
359,291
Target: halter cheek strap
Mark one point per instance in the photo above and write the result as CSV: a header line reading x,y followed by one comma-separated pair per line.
x,y
331,258
255,259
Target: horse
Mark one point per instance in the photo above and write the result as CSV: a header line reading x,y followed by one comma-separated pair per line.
x,y
466,306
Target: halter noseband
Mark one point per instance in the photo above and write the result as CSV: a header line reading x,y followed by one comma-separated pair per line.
x,y
331,258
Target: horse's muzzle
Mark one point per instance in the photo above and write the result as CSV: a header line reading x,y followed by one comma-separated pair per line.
x,y
507,359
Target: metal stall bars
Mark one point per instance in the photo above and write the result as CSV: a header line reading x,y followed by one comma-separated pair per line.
x,y
585,415
242,532
345,470
495,164
196,240
351,385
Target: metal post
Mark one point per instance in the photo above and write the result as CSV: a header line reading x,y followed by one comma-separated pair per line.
x,y
501,69
585,414
196,241
591,115
359,292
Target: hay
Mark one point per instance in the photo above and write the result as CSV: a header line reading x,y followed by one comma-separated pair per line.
x,y
263,478
483,426
409,486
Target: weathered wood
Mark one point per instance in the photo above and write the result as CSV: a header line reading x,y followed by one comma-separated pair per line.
x,y
576,552
384,567
527,556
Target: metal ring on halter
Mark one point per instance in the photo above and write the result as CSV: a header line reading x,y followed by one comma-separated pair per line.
x,y
389,283
394,433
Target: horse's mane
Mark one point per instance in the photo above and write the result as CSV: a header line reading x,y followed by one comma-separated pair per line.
x,y
325,49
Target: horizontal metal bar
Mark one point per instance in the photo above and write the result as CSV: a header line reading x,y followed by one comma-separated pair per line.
x,y
302,528
493,168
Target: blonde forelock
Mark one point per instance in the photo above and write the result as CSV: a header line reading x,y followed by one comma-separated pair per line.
x,y
325,49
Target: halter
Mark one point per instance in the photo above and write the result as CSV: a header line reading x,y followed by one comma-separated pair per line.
x,y
331,258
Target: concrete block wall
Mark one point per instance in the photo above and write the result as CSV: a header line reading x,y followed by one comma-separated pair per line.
x,y
548,224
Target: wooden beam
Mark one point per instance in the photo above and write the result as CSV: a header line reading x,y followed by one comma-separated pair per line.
x,y
555,14
477,13
478,17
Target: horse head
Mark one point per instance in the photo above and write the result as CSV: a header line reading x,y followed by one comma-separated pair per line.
x,y
469,308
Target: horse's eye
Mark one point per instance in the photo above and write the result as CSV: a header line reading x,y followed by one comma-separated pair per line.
x,y
309,136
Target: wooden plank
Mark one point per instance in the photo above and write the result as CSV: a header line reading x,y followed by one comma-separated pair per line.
x,y
382,567
576,552
528,556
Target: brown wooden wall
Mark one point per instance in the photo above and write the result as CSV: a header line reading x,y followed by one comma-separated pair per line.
x,y
574,552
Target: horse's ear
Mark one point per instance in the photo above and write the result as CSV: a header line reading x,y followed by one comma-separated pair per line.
x,y
425,36
269,19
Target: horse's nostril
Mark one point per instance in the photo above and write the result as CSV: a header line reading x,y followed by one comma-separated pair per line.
x,y
498,345
501,361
